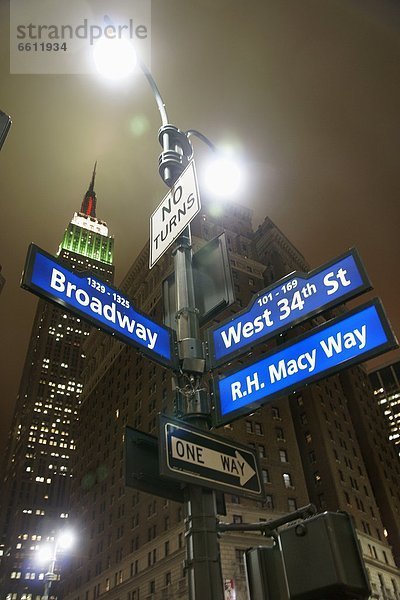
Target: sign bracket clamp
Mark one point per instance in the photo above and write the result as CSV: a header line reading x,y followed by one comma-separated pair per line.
x,y
268,529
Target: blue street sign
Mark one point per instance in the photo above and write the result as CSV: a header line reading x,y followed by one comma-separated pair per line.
x,y
346,340
98,303
295,298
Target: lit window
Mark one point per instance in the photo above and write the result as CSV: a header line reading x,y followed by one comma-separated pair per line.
x,y
287,480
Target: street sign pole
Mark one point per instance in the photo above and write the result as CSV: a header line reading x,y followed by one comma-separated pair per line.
x,y
203,563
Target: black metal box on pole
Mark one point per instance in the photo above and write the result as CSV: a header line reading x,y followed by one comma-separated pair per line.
x,y
322,559
265,574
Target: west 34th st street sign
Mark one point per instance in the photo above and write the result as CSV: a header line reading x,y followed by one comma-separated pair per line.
x,y
346,340
293,299
98,303
200,457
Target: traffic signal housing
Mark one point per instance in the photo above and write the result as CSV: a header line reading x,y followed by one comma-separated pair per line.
x,y
318,559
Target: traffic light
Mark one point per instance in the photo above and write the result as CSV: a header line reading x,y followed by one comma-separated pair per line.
x,y
318,559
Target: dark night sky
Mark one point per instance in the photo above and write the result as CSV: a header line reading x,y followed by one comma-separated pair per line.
x,y
308,91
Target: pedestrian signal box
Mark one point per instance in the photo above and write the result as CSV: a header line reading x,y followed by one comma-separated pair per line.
x,y
318,559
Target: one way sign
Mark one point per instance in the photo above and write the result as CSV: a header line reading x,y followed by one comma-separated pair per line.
x,y
196,456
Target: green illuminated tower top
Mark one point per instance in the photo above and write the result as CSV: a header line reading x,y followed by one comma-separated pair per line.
x,y
86,238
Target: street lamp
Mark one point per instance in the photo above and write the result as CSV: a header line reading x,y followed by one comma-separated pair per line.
x,y
116,59
203,562
202,544
48,553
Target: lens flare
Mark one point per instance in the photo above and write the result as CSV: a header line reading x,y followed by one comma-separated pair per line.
x,y
223,176
66,540
114,58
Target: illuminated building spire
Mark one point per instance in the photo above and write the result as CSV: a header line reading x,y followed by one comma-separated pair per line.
x,y
86,234
89,202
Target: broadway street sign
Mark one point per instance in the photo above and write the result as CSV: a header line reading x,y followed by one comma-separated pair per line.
x,y
174,213
293,299
344,341
196,456
98,303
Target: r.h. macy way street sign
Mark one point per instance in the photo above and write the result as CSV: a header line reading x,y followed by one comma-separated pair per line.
x,y
346,340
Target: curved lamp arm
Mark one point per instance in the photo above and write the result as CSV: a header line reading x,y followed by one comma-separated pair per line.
x,y
156,92
201,137
149,77
177,148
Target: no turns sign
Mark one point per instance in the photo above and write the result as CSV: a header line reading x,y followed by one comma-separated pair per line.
x,y
174,213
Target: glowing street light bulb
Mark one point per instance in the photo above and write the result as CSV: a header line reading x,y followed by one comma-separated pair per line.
x,y
48,552
114,58
223,176
65,540
44,554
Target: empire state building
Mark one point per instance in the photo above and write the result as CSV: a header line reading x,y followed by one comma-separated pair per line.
x,y
37,475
